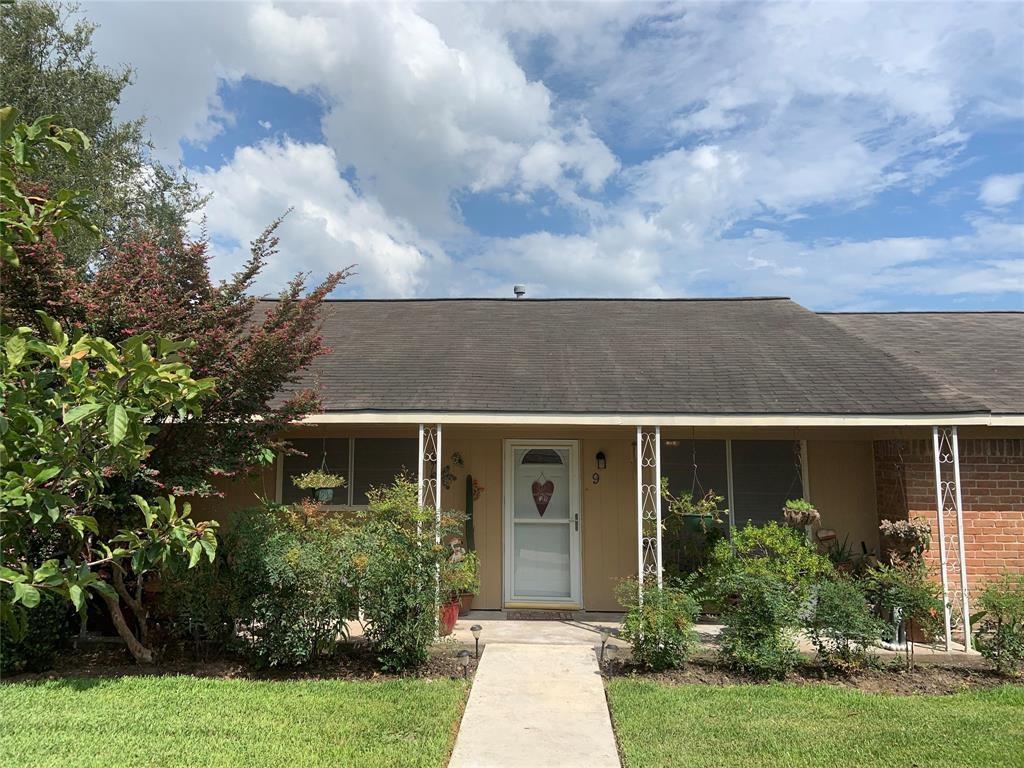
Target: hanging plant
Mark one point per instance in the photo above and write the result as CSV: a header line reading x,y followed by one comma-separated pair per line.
x,y
698,510
321,482
799,513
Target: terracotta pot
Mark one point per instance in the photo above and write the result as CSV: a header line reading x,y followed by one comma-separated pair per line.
x,y
447,616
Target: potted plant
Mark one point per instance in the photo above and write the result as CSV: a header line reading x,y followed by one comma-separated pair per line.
x,y
698,513
321,482
906,540
799,513
460,581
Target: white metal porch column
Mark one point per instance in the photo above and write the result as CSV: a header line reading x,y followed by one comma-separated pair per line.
x,y
949,506
648,506
429,492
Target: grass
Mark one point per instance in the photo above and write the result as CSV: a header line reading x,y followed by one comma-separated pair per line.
x,y
819,725
174,722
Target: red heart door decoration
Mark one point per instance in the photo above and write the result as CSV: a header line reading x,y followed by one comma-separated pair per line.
x,y
542,495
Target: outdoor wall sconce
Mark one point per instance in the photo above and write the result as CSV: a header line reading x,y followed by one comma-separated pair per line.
x,y
602,462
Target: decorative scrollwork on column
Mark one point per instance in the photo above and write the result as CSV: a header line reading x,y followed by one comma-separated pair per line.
x,y
429,463
949,515
648,479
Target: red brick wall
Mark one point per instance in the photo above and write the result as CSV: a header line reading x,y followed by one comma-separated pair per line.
x,y
992,488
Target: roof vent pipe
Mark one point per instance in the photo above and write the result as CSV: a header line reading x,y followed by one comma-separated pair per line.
x,y
519,291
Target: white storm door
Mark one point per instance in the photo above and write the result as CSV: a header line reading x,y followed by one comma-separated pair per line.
x,y
542,522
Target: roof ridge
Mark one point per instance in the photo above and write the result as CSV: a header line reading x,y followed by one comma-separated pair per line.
x,y
545,299
929,312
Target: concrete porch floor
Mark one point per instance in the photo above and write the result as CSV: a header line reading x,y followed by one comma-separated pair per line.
x,y
585,629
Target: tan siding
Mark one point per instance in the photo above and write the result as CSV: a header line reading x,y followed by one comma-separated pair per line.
x,y
842,485
239,493
609,521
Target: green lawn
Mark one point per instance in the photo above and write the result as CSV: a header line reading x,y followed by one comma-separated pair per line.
x,y
172,722
819,725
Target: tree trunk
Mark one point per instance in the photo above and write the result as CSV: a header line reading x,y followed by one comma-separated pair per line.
x,y
141,653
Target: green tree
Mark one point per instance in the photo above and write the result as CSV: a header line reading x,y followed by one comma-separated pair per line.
x,y
77,418
50,68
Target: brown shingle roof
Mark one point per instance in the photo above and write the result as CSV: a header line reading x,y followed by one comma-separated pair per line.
x,y
979,353
713,356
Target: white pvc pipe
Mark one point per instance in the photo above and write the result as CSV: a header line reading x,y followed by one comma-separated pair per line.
x,y
965,602
942,540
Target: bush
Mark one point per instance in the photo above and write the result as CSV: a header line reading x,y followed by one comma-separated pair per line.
x,y
771,552
999,628
48,630
195,606
841,625
289,584
906,592
395,562
758,637
660,630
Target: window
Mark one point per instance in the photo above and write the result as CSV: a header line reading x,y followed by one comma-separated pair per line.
x,y
378,460
765,473
678,458
363,462
542,456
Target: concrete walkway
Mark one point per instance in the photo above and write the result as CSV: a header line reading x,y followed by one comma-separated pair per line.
x,y
536,706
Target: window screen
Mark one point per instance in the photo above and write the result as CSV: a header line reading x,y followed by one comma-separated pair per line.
x,y
379,460
337,463
678,458
765,474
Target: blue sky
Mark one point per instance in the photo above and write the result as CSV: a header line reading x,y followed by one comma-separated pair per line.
x,y
852,156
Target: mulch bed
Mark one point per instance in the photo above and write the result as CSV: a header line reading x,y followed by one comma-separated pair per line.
x,y
929,677
353,663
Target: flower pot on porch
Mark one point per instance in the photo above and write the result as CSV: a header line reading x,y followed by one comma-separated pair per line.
x,y
325,495
698,523
465,603
448,614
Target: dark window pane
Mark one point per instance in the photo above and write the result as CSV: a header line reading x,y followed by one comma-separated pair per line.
x,y
677,464
542,456
379,460
764,475
337,463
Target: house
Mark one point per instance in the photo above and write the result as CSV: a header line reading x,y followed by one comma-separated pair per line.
x,y
565,413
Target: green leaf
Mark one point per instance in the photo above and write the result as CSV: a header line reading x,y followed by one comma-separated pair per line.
x,y
27,594
53,327
117,423
77,595
197,552
47,474
15,348
80,412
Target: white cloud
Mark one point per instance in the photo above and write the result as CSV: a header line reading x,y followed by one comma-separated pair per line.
x,y
266,125
330,227
721,115
1001,190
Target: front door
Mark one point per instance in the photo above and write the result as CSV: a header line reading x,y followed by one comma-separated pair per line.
x,y
542,523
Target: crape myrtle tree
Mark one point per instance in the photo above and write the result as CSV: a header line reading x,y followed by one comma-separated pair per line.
x,y
76,417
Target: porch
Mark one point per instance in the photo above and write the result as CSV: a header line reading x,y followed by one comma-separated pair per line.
x,y
562,512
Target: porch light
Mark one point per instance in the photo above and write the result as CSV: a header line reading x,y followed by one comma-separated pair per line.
x,y
476,629
602,462
463,656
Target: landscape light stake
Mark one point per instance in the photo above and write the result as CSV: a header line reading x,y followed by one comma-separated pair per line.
x,y
611,650
605,634
464,661
476,629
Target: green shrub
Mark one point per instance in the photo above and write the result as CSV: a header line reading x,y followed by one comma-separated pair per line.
x,y
395,563
661,629
771,552
195,606
841,625
48,629
759,617
999,628
906,592
289,585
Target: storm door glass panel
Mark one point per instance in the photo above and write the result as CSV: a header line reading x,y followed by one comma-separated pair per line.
x,y
540,524
379,460
765,474
337,463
